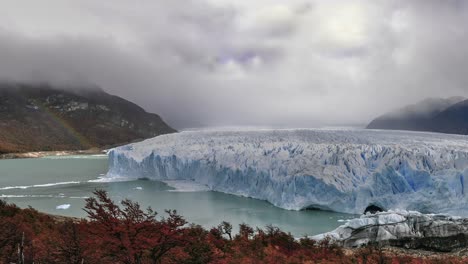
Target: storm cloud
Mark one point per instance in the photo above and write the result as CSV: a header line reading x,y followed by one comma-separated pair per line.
x,y
230,63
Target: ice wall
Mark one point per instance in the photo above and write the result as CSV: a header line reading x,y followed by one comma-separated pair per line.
x,y
339,170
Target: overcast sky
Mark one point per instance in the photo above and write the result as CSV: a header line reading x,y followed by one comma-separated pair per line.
x,y
294,63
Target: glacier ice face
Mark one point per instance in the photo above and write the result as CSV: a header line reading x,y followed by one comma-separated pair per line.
x,y
339,170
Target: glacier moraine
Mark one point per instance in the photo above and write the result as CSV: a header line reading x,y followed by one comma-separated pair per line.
x,y
340,170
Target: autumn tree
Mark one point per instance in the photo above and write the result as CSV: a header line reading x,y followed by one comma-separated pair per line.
x,y
226,229
129,234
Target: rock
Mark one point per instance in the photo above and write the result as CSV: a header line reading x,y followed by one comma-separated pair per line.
x,y
407,229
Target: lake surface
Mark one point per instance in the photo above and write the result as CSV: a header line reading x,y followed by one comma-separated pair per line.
x,y
46,183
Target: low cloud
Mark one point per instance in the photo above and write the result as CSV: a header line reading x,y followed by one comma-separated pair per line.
x,y
265,63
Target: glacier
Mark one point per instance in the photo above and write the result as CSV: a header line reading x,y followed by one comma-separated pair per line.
x,y
343,170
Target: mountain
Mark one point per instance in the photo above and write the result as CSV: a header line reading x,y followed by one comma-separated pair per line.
x,y
452,120
434,114
42,117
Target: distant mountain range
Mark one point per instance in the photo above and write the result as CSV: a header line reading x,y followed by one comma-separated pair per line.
x,y
435,115
42,118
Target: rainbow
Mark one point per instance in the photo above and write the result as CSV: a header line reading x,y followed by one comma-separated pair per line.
x,y
58,119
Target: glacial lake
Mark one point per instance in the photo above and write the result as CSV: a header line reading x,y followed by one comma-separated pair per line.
x,y
65,181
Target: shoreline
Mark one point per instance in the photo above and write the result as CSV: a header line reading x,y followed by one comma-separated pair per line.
x,y
348,251
60,231
40,154
389,249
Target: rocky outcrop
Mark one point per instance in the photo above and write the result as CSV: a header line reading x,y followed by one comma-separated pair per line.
x,y
410,230
50,118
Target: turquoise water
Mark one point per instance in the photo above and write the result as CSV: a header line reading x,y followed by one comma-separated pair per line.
x,y
46,183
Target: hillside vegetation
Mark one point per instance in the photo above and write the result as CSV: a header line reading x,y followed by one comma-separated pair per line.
x,y
128,234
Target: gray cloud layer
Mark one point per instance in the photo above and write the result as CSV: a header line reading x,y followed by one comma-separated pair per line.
x,y
223,62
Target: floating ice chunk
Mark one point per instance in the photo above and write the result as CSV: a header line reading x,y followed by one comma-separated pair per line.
x,y
26,195
39,185
186,186
104,179
63,207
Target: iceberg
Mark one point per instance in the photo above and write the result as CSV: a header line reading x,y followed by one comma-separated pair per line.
x,y
63,207
343,170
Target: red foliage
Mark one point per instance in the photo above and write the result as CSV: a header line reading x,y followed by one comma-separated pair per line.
x,y
128,234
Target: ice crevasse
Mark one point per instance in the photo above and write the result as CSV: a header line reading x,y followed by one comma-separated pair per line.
x,y
339,170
